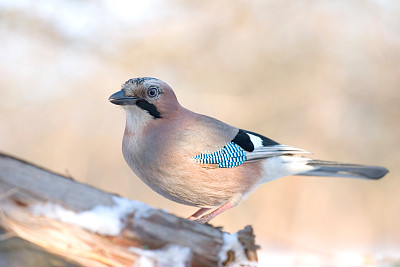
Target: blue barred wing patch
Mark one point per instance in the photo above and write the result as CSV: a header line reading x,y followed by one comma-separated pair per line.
x,y
229,156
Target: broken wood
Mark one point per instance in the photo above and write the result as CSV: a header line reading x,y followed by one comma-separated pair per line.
x,y
56,213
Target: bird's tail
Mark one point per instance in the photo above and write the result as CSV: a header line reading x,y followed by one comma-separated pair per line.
x,y
337,169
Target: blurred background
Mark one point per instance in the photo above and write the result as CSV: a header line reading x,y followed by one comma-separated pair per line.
x,y
319,75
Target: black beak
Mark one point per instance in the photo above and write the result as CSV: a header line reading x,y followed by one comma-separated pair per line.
x,y
119,98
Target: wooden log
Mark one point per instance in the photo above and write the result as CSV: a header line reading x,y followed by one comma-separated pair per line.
x,y
96,228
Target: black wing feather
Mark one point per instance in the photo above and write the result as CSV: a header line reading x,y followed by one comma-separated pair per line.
x,y
269,148
243,140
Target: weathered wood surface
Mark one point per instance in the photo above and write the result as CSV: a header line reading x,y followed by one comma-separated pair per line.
x,y
23,185
17,252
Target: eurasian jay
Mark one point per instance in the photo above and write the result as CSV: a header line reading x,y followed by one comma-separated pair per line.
x,y
200,161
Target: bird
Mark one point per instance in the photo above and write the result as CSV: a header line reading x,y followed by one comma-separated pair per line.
x,y
200,161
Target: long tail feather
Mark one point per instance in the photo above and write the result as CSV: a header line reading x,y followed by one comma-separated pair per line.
x,y
337,169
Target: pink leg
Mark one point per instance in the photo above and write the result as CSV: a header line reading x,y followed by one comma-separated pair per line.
x,y
208,217
198,213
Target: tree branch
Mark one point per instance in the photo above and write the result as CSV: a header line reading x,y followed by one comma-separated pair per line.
x,y
96,228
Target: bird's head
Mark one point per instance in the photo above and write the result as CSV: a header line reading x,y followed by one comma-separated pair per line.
x,y
146,96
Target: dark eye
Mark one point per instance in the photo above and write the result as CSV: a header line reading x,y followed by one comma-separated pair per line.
x,y
152,92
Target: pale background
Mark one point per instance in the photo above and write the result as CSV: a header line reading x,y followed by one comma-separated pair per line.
x,y
320,75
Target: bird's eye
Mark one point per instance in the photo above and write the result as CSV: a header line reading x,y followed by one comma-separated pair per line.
x,y
152,92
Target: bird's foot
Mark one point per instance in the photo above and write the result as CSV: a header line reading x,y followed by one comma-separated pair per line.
x,y
198,213
208,217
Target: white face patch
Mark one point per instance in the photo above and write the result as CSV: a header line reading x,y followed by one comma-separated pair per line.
x,y
257,141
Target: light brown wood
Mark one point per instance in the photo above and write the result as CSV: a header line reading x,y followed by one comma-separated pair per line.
x,y
23,185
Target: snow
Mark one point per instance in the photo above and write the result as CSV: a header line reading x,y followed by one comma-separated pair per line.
x,y
231,242
104,220
169,256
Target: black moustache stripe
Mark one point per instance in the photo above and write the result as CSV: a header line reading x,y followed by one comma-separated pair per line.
x,y
150,108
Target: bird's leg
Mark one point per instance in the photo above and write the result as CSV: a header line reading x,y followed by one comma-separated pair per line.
x,y
198,213
208,217
235,200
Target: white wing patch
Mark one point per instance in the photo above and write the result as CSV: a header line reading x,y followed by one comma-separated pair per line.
x,y
257,141
273,151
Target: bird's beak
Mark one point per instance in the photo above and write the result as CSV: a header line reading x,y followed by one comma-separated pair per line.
x,y
119,98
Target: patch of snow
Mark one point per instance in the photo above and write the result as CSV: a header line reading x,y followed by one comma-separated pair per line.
x,y
104,220
169,256
231,242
